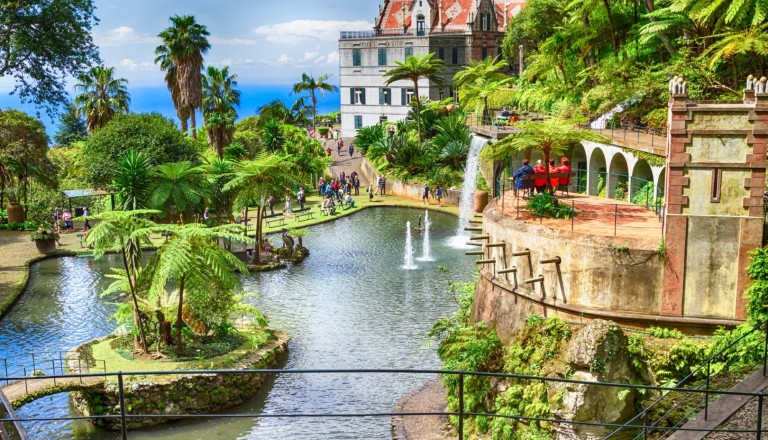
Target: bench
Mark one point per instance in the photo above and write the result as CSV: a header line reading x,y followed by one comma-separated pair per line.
x,y
531,177
304,215
280,220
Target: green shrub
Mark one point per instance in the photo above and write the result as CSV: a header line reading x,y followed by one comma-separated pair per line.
x,y
547,206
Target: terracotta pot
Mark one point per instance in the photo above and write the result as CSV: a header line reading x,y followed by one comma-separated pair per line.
x,y
45,246
481,200
16,213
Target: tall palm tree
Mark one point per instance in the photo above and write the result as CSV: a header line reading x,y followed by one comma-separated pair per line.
x,y
413,69
101,96
219,101
552,136
167,65
178,185
310,84
184,44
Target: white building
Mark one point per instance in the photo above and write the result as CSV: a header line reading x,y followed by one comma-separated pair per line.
x,y
456,31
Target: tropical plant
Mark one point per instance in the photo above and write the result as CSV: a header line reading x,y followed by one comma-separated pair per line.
x,y
184,44
178,186
452,141
117,231
218,172
273,135
481,91
413,69
192,260
71,128
367,136
101,96
310,84
551,137
219,101
132,180
480,72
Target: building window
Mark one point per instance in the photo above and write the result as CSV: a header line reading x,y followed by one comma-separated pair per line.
x,y
454,55
717,183
440,93
357,95
383,119
382,56
420,27
441,53
408,51
385,96
484,21
406,95
484,53
358,122
357,59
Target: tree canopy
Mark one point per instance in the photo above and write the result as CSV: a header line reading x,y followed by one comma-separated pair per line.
x,y
42,42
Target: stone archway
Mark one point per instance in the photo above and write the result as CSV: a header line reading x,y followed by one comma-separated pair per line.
x,y
617,181
579,165
642,175
597,174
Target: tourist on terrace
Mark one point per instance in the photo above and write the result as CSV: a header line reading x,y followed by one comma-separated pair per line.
x,y
301,198
439,195
425,194
67,218
565,167
521,181
540,178
554,170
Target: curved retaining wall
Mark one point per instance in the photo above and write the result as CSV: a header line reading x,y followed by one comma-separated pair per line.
x,y
597,278
169,395
404,189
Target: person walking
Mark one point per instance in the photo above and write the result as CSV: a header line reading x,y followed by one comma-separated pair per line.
x,y
370,192
439,195
351,150
86,225
288,208
425,194
301,198
271,204
382,185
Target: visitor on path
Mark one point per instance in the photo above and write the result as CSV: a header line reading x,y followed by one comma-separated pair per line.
x,y
439,195
521,181
540,178
301,198
555,181
335,135
338,147
66,217
321,186
356,183
86,225
370,192
351,150
271,204
56,220
348,187
565,168
328,150
382,185
425,194
206,215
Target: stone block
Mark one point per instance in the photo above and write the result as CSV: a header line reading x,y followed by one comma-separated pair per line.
x,y
680,157
678,200
679,181
675,235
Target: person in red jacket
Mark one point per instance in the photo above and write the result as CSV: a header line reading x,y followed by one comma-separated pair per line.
x,y
540,178
565,167
553,170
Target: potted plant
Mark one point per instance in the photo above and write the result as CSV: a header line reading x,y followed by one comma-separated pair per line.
x,y
45,240
14,210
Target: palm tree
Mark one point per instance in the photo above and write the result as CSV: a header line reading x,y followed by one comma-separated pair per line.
x,y
219,101
551,137
181,185
193,260
101,96
221,130
219,171
480,71
257,178
117,231
452,141
413,69
752,42
166,64
132,180
310,84
482,91
184,44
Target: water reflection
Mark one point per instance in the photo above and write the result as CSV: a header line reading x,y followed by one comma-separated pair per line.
x,y
347,306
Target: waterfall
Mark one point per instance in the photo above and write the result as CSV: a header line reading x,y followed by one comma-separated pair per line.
x,y
408,258
425,253
601,123
467,204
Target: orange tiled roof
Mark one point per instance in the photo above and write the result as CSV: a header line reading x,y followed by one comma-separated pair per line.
x,y
455,16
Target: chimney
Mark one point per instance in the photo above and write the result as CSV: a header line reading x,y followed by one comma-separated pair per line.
x,y
440,14
403,16
506,14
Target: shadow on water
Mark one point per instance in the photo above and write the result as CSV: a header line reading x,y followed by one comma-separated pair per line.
x,y
349,305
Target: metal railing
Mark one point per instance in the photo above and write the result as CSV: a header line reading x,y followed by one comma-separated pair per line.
x,y
704,390
125,416
48,365
655,138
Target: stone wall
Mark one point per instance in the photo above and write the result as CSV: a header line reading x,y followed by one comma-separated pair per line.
x,y
180,394
404,189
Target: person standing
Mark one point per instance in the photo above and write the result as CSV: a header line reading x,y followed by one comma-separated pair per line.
x,y
206,215
370,192
321,186
288,209
67,218
86,225
271,204
56,218
425,194
301,198
335,135
356,184
439,195
382,185
351,150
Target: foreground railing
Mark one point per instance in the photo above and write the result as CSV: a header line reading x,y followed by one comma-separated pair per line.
x,y
461,413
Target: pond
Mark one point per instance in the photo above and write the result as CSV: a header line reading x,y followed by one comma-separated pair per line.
x,y
349,305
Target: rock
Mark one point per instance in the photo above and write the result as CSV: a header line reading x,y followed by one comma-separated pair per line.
x,y
596,353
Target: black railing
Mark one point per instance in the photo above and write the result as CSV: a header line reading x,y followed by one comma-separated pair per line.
x,y
48,365
125,416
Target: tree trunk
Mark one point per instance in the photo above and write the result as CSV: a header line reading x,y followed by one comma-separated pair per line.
x,y
136,312
259,221
649,7
613,30
184,126
180,320
193,123
314,108
417,108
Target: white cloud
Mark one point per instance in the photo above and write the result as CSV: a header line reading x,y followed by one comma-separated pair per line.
x,y
122,36
332,58
133,65
311,55
283,58
305,31
232,41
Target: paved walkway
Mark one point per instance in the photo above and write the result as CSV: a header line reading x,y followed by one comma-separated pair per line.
x,y
342,162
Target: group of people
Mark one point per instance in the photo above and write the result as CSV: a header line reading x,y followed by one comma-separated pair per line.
x,y
65,216
528,178
425,195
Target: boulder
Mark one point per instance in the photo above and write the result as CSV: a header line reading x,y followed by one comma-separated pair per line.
x,y
596,353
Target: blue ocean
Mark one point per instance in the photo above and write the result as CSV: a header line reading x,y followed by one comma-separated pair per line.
x,y
158,99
